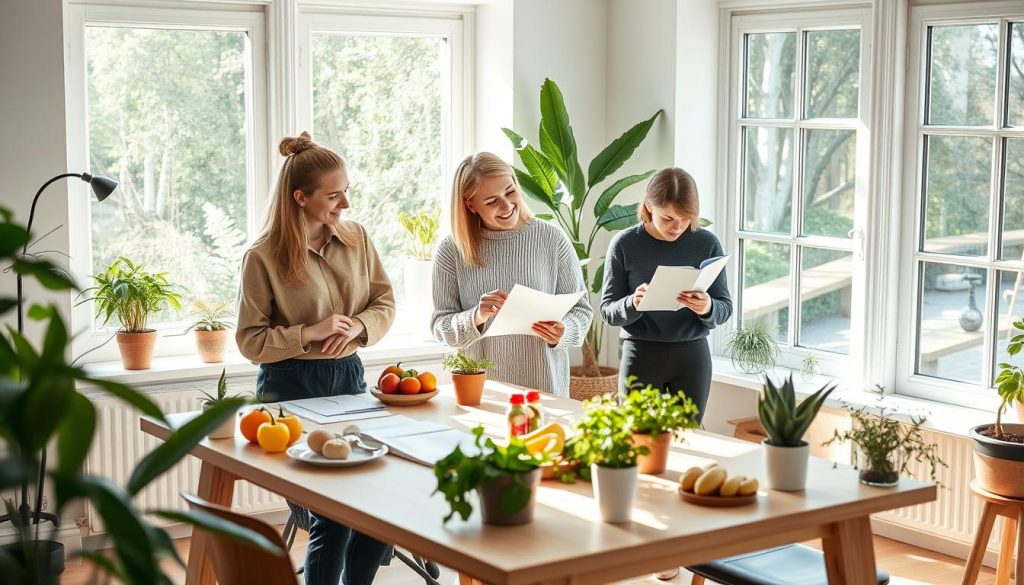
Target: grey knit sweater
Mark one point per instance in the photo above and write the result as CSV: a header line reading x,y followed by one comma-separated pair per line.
x,y
537,255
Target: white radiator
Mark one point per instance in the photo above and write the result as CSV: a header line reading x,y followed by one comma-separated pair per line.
x,y
119,445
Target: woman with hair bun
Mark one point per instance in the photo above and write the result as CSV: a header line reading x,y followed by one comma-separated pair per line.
x,y
313,292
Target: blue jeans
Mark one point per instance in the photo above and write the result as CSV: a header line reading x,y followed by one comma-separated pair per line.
x,y
333,548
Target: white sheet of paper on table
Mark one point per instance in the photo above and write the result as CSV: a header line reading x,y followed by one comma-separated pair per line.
x,y
525,306
669,281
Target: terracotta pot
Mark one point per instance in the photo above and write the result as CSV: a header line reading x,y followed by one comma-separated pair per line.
x,y
136,349
584,387
211,344
469,388
656,461
999,465
490,500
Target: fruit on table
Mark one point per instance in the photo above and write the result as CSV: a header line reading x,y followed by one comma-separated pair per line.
x,y
748,487
251,421
689,478
546,443
389,383
409,385
273,436
710,481
337,448
317,439
731,486
395,369
292,422
713,480
428,382
551,427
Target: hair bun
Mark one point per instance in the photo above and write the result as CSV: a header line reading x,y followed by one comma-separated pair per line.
x,y
301,143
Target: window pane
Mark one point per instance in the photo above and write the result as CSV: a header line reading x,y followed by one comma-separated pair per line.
x,y
1013,204
951,324
1015,105
962,74
768,179
833,73
770,75
766,285
830,175
1010,301
957,194
378,100
826,292
167,118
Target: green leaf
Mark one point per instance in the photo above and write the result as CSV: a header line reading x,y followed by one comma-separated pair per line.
x,y
533,190
609,194
47,273
515,496
75,434
223,527
618,217
180,443
127,529
105,564
555,122
551,150
618,152
539,167
704,222
6,304
129,395
13,238
545,216
598,279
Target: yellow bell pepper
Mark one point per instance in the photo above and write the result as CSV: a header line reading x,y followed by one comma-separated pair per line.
x,y
273,436
293,424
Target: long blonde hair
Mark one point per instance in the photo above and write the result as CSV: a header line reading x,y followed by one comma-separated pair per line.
x,y
676,187
284,229
467,229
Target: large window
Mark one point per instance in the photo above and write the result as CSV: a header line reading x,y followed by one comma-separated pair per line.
x,y
797,111
964,243
167,109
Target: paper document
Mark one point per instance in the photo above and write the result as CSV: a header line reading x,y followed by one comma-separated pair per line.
x,y
420,441
669,281
331,409
525,306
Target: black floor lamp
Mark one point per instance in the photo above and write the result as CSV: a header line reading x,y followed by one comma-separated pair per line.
x,y
102,187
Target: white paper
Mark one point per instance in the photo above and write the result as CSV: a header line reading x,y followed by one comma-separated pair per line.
x,y
669,281
321,419
525,306
332,409
420,441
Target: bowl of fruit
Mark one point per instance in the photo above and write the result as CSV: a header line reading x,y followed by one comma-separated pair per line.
x,y
711,486
401,387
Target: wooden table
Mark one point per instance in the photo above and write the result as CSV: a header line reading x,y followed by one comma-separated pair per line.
x,y
391,499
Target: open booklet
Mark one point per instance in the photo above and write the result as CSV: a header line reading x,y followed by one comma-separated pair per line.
x,y
669,281
525,306
424,442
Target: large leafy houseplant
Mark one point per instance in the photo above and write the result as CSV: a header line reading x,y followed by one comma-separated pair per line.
x,y
553,176
126,290
40,406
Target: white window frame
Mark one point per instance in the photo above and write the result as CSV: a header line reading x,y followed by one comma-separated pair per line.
x,y
923,386
731,172
248,19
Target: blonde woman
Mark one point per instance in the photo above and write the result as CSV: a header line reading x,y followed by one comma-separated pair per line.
x,y
495,244
313,292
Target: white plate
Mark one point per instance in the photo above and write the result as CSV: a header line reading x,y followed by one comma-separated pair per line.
x,y
302,452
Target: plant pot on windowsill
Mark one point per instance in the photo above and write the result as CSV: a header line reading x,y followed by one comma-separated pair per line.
x,y
211,345
491,494
136,348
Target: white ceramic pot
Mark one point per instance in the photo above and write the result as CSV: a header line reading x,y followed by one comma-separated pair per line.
x,y
417,279
786,467
226,430
615,491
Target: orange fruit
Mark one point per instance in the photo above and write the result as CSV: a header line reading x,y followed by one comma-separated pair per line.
x,y
251,421
409,385
395,369
428,382
389,384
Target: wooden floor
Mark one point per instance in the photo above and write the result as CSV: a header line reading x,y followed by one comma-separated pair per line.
x,y
908,565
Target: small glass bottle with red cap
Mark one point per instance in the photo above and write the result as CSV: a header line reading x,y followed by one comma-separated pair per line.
x,y
518,415
535,410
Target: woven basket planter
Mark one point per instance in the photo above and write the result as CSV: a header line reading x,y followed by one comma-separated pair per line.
x,y
583,387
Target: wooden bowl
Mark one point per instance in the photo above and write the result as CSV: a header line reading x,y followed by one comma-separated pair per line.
x,y
402,399
717,501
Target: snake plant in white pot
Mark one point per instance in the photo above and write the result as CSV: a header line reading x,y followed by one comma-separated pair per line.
x,y
785,452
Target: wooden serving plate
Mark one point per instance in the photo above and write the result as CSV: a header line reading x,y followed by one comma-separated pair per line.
x,y
547,471
717,501
402,399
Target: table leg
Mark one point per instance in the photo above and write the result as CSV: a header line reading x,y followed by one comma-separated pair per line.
x,y
1020,549
850,553
465,579
1006,547
988,518
216,486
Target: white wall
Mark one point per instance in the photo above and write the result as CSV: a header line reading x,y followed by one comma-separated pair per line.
x,y
494,76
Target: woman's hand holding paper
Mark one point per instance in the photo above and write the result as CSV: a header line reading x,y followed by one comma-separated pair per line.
x,y
550,331
695,300
489,305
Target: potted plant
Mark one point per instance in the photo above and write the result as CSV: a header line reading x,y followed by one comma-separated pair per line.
x,y
809,367
211,326
752,347
468,376
417,268
999,448
786,453
658,416
553,177
40,406
886,446
227,428
506,476
603,440
127,291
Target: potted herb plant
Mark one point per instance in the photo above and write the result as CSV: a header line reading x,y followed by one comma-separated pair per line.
x,y
786,453
226,430
468,376
506,476
127,291
212,326
752,347
658,416
886,446
603,440
999,448
417,268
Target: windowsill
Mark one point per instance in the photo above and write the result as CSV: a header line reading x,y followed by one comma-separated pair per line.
x,y
944,418
185,368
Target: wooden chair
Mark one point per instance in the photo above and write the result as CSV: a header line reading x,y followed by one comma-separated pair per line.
x,y
793,564
236,563
1012,511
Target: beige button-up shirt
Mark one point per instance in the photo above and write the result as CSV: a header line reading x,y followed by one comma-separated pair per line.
x,y
343,279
